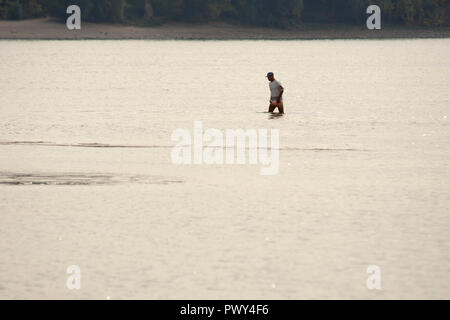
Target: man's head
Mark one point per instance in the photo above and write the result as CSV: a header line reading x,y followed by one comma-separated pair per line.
x,y
270,76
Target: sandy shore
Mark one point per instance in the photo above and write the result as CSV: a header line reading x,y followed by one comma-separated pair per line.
x,y
48,29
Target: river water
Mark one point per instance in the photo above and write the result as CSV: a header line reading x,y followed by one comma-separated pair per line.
x,y
87,179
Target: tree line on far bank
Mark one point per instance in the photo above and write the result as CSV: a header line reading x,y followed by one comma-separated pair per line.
x,y
273,13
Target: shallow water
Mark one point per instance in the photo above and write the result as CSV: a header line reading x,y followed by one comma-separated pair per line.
x,y
86,176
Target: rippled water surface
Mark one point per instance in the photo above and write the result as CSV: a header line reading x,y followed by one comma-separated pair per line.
x,y
86,176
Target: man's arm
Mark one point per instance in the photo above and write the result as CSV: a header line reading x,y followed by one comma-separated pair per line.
x,y
281,94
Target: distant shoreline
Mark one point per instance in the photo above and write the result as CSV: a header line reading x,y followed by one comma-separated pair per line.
x,y
47,29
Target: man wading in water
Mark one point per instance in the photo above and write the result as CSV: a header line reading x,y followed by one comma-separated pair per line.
x,y
276,94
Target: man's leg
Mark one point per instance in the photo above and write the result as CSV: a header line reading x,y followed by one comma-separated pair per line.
x,y
281,107
272,107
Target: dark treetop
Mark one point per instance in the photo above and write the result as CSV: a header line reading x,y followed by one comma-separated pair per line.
x,y
273,13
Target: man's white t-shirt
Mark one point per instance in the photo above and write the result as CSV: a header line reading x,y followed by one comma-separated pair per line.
x,y
275,90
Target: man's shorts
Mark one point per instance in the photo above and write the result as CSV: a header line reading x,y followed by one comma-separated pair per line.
x,y
275,100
